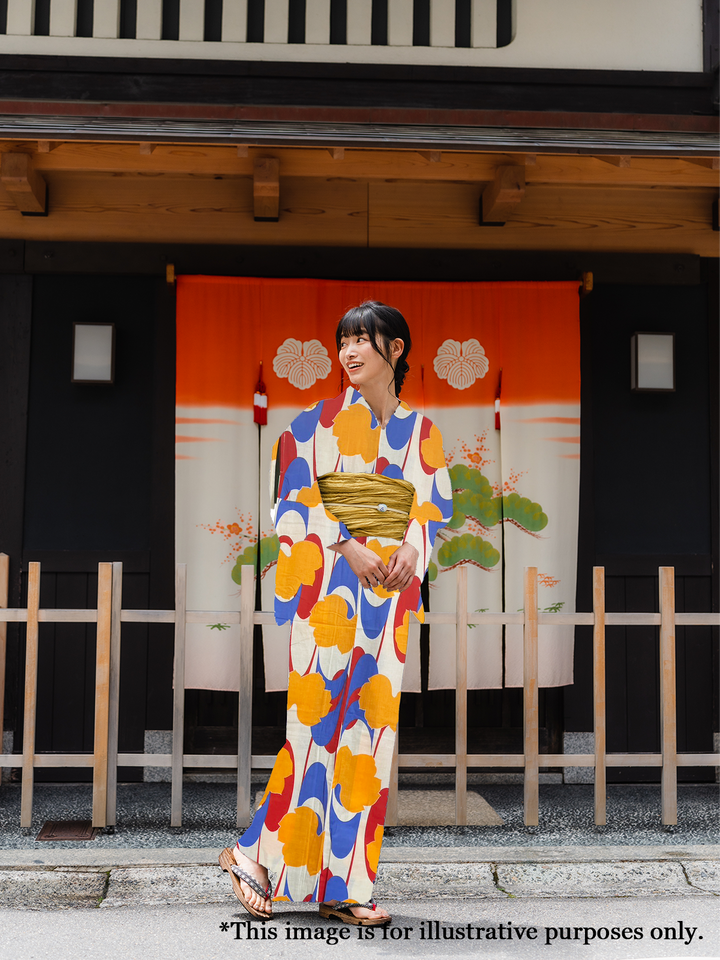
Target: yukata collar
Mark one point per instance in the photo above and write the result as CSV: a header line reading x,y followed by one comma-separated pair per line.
x,y
354,396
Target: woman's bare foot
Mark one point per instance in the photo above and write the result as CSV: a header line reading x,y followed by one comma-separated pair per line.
x,y
258,872
363,913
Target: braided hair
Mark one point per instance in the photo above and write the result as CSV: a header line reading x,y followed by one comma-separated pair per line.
x,y
382,324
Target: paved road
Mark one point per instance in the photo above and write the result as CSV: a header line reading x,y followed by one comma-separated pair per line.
x,y
518,928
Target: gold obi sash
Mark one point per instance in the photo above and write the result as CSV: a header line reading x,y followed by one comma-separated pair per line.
x,y
369,504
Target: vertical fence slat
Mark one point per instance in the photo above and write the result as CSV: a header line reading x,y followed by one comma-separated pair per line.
x,y
102,694
106,19
30,707
359,22
317,21
178,739
4,591
599,694
461,729
148,21
530,696
668,705
20,18
276,21
63,18
442,23
234,21
483,24
400,23
192,20
247,630
114,710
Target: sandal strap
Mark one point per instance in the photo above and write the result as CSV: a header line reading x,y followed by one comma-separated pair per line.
x,y
252,882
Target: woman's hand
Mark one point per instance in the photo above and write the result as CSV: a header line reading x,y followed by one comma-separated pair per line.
x,y
366,565
402,567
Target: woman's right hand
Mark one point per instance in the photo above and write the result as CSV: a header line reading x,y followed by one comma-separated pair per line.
x,y
366,565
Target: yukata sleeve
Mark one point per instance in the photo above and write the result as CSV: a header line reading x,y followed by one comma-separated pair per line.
x,y
432,506
304,528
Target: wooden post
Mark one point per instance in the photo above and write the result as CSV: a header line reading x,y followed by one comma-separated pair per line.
x,y
247,630
668,706
4,589
102,695
114,710
461,730
599,694
530,697
178,739
30,706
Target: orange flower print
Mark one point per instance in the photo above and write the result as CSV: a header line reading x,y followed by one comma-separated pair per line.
x,y
311,697
281,771
302,844
422,512
377,700
372,851
330,623
298,569
355,436
431,449
359,787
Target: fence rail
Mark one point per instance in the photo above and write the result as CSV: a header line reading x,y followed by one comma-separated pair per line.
x,y
106,759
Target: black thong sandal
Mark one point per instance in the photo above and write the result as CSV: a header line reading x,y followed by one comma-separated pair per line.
x,y
343,912
228,864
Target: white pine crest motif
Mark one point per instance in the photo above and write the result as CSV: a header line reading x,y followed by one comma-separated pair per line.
x,y
461,364
302,363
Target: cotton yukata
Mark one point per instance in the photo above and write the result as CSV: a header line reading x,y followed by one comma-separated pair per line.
x,y
320,824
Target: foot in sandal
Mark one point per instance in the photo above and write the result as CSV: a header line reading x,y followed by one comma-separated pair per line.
x,y
250,883
259,873
361,915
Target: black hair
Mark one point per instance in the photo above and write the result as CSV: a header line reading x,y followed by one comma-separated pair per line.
x,y
382,324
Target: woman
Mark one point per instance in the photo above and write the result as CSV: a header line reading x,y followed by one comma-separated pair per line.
x,y
361,488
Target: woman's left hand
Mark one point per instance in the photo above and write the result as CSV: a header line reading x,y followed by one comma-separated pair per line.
x,y
401,566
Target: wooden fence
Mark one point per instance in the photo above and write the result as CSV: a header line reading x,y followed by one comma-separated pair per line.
x,y
110,616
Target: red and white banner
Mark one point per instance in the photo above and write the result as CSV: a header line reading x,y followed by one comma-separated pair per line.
x,y
484,355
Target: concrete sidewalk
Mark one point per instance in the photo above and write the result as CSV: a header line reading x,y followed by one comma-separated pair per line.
x,y
171,876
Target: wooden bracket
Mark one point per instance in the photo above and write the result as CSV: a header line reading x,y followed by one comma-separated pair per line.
x,y
337,153
501,197
432,156
266,189
243,150
146,149
170,273
530,159
586,283
712,163
24,184
47,146
615,161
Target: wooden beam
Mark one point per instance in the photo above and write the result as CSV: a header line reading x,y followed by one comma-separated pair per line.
x,y
47,146
616,161
266,189
26,187
710,163
501,197
463,166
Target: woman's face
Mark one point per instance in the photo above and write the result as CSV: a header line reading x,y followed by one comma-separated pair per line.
x,y
363,364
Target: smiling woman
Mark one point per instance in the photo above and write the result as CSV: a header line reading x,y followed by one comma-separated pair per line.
x,y
362,492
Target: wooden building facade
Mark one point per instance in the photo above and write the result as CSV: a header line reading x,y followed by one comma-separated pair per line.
x,y
363,139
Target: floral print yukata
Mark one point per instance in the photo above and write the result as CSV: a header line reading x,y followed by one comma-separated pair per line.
x,y
320,824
